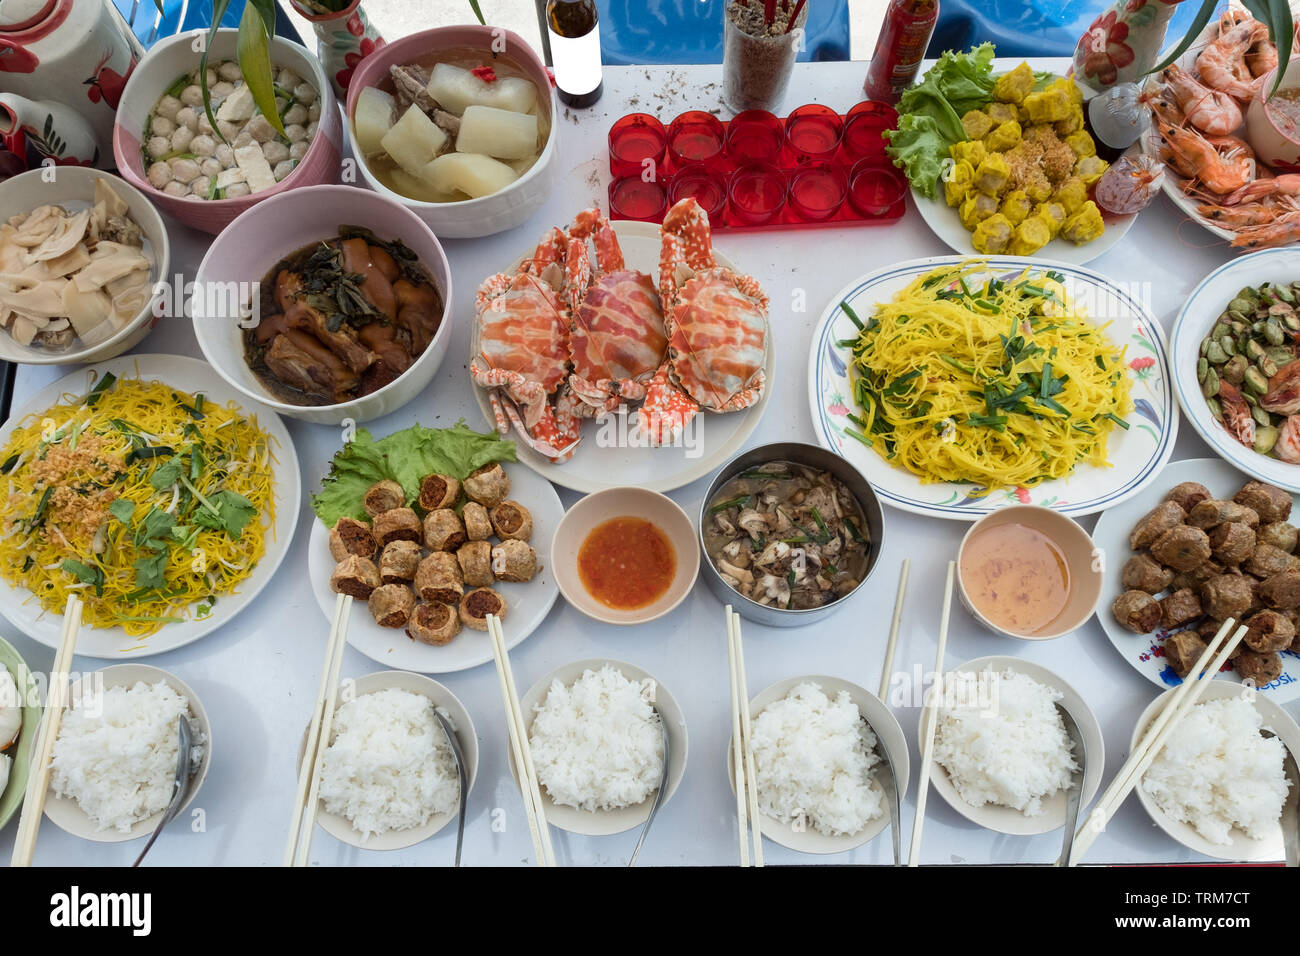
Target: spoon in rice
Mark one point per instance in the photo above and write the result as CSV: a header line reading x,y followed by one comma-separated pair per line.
x,y
889,783
1074,794
1290,813
659,794
180,784
459,754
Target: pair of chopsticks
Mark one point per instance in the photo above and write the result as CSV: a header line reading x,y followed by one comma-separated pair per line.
x,y
523,754
930,721
297,851
742,750
56,701
1180,705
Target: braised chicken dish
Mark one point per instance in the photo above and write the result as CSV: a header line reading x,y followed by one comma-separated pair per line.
x,y
342,318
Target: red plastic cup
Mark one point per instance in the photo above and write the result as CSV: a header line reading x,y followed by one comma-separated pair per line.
x,y
633,198
706,186
817,191
634,139
695,137
863,127
757,193
754,136
813,132
875,187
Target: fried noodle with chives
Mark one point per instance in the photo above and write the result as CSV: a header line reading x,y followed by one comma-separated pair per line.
x,y
1000,382
148,502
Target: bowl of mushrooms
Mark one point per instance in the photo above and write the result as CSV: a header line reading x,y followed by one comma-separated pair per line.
x,y
165,144
80,254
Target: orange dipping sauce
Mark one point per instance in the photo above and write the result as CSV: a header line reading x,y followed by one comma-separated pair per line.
x,y
626,563
1016,576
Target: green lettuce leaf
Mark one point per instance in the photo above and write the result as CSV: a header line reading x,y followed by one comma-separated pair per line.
x,y
406,457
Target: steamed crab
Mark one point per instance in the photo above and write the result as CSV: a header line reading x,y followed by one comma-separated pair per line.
x,y
521,345
617,337
717,330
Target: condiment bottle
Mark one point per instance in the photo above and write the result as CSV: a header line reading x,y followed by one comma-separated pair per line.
x,y
1115,119
900,48
573,32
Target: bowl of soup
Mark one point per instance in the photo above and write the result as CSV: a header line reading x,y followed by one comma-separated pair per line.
x,y
1273,120
458,125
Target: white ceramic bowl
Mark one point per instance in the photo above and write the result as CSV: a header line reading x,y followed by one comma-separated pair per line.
x,y
606,822
487,215
1005,819
883,724
64,811
74,188
1242,848
266,233
1195,320
340,827
1272,145
171,58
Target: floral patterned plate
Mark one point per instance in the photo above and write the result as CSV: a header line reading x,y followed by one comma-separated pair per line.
x,y
1136,455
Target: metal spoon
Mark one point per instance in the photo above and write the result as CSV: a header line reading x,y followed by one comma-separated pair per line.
x,y
1074,795
180,785
1291,807
459,754
889,783
659,794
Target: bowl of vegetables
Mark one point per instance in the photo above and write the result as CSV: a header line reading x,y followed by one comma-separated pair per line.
x,y
166,146
455,128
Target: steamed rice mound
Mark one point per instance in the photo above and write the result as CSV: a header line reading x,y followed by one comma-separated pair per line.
x,y
596,744
389,765
813,757
1216,772
1004,742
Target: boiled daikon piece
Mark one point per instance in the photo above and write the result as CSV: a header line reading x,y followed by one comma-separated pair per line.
x,y
499,133
472,173
418,188
456,88
413,140
376,111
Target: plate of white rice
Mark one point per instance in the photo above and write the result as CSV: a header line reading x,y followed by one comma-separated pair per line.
x,y
114,762
1217,786
817,768
1002,758
595,736
389,779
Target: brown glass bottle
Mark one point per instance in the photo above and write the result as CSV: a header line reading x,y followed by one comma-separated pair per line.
x,y
573,30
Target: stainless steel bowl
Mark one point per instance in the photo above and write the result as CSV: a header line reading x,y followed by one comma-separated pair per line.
x,y
813,456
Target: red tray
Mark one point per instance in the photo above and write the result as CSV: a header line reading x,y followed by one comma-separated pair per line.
x,y
818,167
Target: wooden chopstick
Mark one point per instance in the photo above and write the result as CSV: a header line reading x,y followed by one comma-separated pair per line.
x,y
737,754
893,631
534,809
931,720
1183,699
56,700
298,849
747,744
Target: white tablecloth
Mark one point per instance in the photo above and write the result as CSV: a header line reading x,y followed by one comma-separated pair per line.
x,y
257,676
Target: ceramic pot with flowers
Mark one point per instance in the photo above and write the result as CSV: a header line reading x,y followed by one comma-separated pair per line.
x,y
1122,44
344,37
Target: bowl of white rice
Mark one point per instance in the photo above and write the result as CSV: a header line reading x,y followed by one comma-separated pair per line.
x,y
1002,758
1217,786
389,777
114,762
597,747
818,772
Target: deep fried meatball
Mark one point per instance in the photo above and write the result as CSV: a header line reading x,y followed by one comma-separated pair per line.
x,y
1142,573
1196,577
1212,513
1232,542
356,576
1279,534
1260,668
1183,650
396,524
1268,501
1157,521
1269,631
1182,548
1226,595
383,496
1178,608
350,536
1281,590
1137,611
1267,561
1188,494
391,605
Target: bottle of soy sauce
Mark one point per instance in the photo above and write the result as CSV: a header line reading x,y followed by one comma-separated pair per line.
x,y
574,35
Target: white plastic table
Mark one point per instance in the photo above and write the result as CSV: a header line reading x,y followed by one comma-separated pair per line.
x,y
258,675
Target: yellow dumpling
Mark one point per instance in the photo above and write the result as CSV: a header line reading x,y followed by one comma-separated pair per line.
x,y
1085,225
1013,87
1003,112
1052,214
977,208
971,151
1047,106
1081,143
1090,168
957,184
1016,207
992,175
1071,194
977,124
1003,137
1039,187
993,234
1072,123
1030,236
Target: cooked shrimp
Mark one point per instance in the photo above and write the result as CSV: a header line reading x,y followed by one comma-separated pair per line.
x,y
1210,111
1287,446
1261,58
1281,232
1236,414
1287,184
1222,164
1222,64
1239,216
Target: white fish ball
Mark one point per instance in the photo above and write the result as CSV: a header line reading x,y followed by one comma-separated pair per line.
x,y
229,130
311,130
160,174
296,114
222,89
225,155
185,170
201,186
313,112
210,76
204,124
288,79
229,70
235,190
167,107
188,117
304,93
243,139
295,132
162,126
182,138
192,95
299,149
177,189
275,152
283,169
260,128
203,145
159,146
210,166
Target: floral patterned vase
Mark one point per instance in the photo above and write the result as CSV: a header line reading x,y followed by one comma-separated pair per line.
x,y
343,40
1122,44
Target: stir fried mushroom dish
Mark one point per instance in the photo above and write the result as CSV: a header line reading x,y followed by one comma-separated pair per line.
x,y
787,536
1201,560
72,278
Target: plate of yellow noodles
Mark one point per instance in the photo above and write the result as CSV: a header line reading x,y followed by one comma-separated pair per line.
x,y
144,487
959,386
